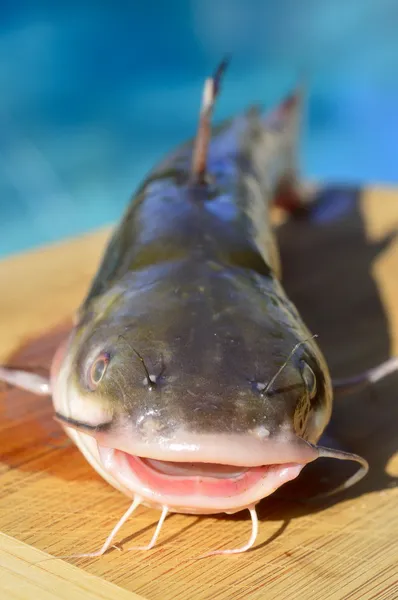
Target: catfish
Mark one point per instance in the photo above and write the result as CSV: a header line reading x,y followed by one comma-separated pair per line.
x,y
189,380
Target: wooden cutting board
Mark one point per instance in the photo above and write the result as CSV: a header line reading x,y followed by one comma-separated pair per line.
x,y
343,276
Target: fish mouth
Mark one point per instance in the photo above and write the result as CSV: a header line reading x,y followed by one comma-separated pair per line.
x,y
195,487
196,473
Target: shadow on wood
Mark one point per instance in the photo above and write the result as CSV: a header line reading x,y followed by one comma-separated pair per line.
x,y
327,274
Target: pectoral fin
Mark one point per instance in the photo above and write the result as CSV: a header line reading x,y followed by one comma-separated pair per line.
x,y
349,385
25,380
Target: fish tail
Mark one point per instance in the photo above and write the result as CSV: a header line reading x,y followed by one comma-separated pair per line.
x,y
270,145
292,193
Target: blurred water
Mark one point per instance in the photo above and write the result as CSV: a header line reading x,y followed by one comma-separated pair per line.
x,y
92,93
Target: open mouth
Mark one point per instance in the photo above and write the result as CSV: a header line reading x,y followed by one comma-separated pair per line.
x,y
180,474
194,472
195,487
188,487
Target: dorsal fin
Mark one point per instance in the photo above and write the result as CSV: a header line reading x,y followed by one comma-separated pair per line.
x,y
210,92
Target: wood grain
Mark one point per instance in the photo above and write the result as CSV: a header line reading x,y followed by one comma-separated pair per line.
x,y
343,276
27,573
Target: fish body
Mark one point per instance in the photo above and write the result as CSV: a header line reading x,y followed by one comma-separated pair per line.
x,y
190,323
189,380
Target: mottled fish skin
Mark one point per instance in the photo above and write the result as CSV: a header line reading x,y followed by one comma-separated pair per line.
x,y
190,284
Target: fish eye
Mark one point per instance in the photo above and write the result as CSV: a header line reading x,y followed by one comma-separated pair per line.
x,y
309,379
98,369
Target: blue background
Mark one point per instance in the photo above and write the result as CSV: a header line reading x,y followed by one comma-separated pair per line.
x,y
92,93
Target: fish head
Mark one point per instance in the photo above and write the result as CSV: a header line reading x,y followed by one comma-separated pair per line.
x,y
202,391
